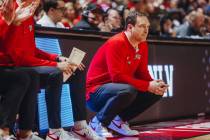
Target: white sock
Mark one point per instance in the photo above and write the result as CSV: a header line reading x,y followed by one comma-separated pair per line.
x,y
117,118
80,124
95,119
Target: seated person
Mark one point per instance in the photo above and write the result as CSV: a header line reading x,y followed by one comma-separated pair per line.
x,y
19,88
192,27
53,14
25,54
18,91
91,18
166,27
70,15
119,86
112,21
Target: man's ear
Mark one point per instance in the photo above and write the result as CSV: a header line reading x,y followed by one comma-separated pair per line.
x,y
129,27
51,9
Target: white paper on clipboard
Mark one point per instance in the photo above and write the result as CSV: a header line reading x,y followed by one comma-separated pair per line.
x,y
75,57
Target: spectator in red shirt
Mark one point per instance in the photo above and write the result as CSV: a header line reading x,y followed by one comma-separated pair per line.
x,y
119,86
70,15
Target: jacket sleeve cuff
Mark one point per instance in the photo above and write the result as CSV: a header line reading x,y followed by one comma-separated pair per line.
x,y
54,57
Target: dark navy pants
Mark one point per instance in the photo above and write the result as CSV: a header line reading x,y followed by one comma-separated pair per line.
x,y
114,99
52,81
18,91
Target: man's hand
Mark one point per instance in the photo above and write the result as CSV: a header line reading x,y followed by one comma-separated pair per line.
x,y
66,67
157,87
7,10
81,67
24,11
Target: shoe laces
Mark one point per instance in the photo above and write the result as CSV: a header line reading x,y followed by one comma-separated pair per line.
x,y
125,125
62,133
102,128
89,132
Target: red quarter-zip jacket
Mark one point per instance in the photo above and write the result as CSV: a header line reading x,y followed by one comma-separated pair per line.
x,y
18,48
118,62
4,60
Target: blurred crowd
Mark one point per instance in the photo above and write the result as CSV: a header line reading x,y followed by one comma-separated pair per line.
x,y
169,18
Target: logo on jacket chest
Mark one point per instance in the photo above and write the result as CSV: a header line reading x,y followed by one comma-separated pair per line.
x,y
128,60
136,57
30,28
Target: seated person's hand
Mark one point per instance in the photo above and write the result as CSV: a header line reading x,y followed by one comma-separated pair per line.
x,y
7,10
25,11
81,67
65,67
73,66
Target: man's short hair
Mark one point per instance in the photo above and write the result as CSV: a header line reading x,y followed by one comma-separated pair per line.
x,y
50,4
132,18
92,7
111,9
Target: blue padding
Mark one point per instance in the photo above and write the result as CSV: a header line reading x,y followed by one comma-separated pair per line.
x,y
52,46
49,45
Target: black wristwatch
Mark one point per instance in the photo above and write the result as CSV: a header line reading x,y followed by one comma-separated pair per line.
x,y
57,58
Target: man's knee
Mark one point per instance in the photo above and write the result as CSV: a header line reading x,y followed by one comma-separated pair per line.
x,y
129,93
22,78
158,97
33,74
155,97
128,89
20,81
